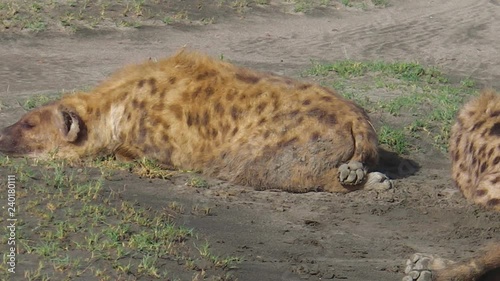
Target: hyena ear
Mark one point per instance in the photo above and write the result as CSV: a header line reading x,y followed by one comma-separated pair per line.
x,y
72,125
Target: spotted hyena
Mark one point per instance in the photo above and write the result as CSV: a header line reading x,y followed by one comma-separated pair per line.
x,y
193,112
475,155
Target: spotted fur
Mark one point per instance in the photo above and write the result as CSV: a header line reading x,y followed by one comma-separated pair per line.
x,y
193,112
475,150
475,156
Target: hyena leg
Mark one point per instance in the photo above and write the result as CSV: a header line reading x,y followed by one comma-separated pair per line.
x,y
484,267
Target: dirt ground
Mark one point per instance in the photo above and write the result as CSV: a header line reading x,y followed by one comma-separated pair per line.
x,y
281,236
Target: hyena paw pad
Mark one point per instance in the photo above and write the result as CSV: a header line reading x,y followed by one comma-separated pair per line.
x,y
377,181
352,173
418,268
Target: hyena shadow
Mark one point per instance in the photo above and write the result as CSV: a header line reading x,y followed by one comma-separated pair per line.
x,y
395,166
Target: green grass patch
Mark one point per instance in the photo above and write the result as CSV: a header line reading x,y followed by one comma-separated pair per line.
x,y
39,100
416,105
72,225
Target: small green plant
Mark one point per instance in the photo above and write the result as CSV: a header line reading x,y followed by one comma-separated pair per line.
x,y
380,3
394,139
38,100
197,182
168,20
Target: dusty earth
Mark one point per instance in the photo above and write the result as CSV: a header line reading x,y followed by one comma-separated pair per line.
x,y
282,236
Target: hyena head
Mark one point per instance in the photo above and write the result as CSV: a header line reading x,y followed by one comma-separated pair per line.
x,y
43,131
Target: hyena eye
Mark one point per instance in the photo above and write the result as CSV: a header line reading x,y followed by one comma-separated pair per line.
x,y
27,125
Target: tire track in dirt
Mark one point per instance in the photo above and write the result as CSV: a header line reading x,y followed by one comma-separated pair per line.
x,y
458,37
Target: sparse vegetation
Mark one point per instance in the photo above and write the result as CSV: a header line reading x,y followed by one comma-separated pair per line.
x,y
38,100
75,227
72,16
417,104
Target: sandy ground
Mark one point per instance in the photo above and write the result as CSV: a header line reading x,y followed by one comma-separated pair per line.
x,y
283,236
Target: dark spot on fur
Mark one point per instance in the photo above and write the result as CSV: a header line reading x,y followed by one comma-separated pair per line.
x,y
257,94
477,125
235,130
98,113
158,107
470,148
495,113
177,111
155,121
261,107
315,136
266,134
172,80
262,121
219,108
294,113
235,113
474,161
495,130
141,135
471,113
90,110
483,167
481,192
129,116
209,91
162,94
167,157
490,153
495,180
482,149
196,93
141,83
247,78
306,102
327,99
197,119
165,138
189,120
456,156
493,202
214,133
206,119
206,74
287,142
230,96
462,167
142,105
276,104
304,86
135,103
323,116
152,84
496,160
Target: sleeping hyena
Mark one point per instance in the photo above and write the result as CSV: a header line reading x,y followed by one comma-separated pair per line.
x,y
475,155
193,112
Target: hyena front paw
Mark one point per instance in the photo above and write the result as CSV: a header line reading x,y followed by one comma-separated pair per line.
x,y
352,173
420,267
